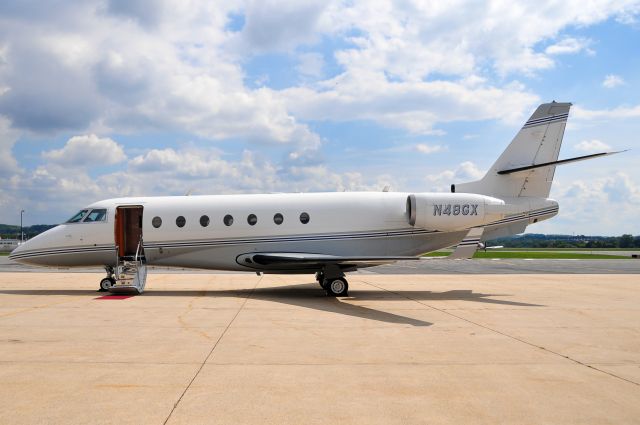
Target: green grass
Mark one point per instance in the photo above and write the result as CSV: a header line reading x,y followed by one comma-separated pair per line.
x,y
536,255
547,254
567,249
436,254
4,253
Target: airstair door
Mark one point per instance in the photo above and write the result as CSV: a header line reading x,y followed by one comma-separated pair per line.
x,y
130,273
128,231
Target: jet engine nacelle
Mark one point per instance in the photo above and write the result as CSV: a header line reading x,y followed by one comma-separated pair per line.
x,y
446,212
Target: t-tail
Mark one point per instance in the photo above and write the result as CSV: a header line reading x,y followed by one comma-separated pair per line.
x,y
526,168
522,176
513,194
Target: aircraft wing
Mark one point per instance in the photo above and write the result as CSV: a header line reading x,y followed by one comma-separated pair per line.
x,y
301,261
306,261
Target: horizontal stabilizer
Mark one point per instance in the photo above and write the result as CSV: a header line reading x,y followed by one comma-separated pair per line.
x,y
559,162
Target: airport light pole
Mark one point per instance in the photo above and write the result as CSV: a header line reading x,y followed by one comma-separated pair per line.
x,y
21,234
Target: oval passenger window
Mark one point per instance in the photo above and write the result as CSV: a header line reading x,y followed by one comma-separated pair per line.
x,y
278,219
228,220
180,221
252,219
156,222
204,221
304,218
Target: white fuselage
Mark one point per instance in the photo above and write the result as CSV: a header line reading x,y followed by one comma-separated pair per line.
x,y
341,224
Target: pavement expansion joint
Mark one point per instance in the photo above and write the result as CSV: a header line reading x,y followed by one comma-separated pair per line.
x,y
212,350
515,338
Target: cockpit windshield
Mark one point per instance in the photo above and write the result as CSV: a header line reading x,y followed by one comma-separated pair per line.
x,y
78,217
99,214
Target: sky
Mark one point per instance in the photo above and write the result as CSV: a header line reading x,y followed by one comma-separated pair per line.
x,y
111,98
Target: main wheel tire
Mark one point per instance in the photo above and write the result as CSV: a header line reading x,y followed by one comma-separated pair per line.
x,y
106,283
337,287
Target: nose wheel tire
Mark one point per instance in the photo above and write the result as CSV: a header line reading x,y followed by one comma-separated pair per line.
x,y
106,283
337,287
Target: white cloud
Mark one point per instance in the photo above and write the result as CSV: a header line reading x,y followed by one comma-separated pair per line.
x,y
620,112
205,168
612,81
92,76
569,45
585,202
115,68
414,106
465,172
412,40
52,192
8,138
592,146
189,163
428,149
621,189
272,25
87,150
310,65
87,73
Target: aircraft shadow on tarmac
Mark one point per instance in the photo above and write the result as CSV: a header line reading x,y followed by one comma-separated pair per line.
x,y
311,296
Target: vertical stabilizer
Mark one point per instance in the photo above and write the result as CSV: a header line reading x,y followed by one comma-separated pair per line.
x,y
537,142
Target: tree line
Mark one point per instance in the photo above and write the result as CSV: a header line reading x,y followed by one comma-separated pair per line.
x,y
9,231
534,240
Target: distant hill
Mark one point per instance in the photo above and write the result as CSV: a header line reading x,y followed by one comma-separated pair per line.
x,y
8,231
536,240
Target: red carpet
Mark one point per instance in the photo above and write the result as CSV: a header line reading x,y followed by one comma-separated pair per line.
x,y
114,297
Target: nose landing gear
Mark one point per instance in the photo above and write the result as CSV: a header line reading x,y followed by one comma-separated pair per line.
x,y
107,282
129,277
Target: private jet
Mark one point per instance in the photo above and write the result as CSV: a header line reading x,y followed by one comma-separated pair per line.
x,y
326,234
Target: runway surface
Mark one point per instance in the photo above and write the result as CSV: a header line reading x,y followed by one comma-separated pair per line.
x,y
402,349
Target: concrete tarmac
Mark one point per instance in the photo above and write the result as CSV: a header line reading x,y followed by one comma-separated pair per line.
x,y
243,349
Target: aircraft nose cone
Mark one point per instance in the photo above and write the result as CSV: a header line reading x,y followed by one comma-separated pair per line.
x,y
32,252
18,253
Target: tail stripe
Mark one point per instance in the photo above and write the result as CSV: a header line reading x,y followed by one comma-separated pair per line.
x,y
547,120
550,117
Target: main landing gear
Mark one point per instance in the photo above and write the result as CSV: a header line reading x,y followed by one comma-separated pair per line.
x,y
334,286
107,282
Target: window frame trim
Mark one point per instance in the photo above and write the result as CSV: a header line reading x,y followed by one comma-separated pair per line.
x,y
106,216
89,209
